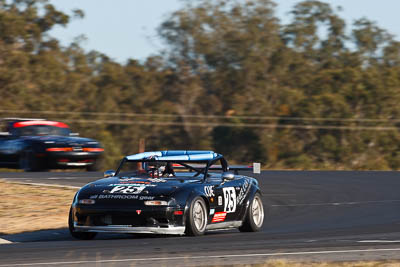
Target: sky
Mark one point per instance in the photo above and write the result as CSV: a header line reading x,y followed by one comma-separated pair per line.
x,y
127,29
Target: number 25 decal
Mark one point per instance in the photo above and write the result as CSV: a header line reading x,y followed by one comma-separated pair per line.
x,y
121,189
229,199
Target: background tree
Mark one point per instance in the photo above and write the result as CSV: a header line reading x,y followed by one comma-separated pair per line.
x,y
312,94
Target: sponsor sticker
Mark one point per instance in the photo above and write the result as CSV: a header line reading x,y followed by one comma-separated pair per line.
x,y
212,211
129,178
146,197
118,196
126,196
219,217
209,191
157,180
134,182
243,192
219,200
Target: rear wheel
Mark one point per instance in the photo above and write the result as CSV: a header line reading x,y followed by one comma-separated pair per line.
x,y
196,221
255,216
78,235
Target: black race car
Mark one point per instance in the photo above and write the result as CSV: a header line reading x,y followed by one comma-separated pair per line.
x,y
168,192
37,144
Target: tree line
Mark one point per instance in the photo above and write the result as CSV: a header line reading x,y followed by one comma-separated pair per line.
x,y
314,93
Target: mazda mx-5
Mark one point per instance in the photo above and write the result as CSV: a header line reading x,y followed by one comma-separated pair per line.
x,y
168,192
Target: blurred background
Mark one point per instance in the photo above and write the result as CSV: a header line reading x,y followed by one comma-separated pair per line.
x,y
291,84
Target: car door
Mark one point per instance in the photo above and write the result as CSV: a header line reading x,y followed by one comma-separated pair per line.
x,y
226,204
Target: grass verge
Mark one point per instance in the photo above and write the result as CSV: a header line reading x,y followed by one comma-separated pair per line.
x,y
25,208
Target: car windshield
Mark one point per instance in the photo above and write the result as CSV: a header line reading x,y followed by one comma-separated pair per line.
x,y
40,130
164,169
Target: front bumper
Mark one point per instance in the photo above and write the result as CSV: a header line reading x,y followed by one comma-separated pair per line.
x,y
171,230
132,218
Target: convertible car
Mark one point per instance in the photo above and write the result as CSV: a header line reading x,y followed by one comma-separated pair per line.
x,y
168,192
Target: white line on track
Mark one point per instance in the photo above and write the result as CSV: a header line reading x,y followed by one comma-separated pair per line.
x,y
62,178
49,178
47,185
379,241
300,253
337,203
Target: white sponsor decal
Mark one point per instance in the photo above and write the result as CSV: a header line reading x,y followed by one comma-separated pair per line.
x,y
229,199
118,196
209,191
146,197
157,180
219,200
243,192
212,211
127,189
126,197
129,178
134,184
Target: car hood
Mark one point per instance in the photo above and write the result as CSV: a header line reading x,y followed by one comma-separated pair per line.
x,y
135,186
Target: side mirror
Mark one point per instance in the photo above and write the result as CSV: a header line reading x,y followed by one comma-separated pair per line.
x,y
109,173
228,176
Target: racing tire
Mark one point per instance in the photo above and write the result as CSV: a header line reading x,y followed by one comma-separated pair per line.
x,y
28,162
78,235
254,217
196,220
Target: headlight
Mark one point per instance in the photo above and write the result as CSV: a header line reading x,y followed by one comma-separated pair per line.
x,y
156,203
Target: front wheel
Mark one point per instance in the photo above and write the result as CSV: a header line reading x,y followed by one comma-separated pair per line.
x,y
78,235
254,217
196,221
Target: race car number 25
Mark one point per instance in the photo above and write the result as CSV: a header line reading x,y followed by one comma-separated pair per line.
x,y
229,199
127,189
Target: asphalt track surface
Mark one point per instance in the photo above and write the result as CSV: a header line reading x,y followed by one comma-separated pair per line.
x,y
310,216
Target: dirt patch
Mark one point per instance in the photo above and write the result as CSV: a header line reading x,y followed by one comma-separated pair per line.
x,y
26,208
287,263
